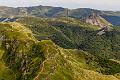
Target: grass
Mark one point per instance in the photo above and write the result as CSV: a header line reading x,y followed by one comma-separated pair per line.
x,y
23,57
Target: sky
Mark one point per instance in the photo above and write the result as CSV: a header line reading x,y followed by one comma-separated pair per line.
x,y
113,5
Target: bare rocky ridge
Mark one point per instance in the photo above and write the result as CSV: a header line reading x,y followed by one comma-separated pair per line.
x,y
97,20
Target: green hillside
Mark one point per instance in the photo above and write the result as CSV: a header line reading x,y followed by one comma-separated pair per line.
x,y
20,55
23,57
72,33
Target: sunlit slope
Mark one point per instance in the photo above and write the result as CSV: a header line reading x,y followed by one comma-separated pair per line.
x,y
72,64
22,57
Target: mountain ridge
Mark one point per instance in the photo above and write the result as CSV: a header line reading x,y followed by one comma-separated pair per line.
x,y
51,12
26,58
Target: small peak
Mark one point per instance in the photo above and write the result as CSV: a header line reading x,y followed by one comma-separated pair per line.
x,y
96,19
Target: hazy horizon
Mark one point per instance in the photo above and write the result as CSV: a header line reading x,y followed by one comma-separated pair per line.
x,y
108,5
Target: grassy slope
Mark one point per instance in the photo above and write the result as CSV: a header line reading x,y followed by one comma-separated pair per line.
x,y
20,52
5,72
72,64
24,58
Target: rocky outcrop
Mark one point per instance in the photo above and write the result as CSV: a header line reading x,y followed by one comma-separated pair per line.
x,y
97,20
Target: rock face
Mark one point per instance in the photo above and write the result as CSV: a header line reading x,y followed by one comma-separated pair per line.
x,y
95,19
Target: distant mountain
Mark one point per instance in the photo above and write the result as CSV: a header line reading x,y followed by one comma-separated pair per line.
x,y
115,20
49,11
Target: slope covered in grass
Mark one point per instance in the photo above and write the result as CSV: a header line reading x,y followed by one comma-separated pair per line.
x,y
22,57
73,64
19,52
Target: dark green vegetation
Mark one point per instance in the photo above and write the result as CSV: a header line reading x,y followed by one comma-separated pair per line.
x,y
23,57
49,11
72,33
59,45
